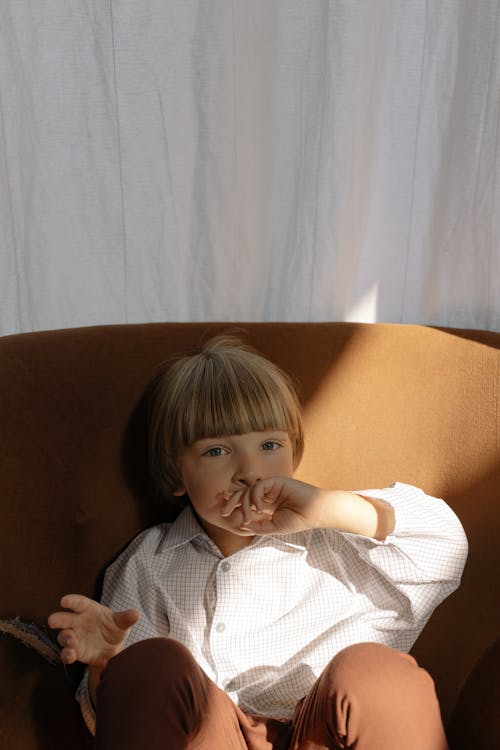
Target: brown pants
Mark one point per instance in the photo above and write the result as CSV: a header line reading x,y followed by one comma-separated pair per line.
x,y
154,696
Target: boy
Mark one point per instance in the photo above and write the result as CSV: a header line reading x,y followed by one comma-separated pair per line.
x,y
271,613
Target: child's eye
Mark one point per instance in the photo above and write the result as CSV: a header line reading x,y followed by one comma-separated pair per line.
x,y
270,445
216,451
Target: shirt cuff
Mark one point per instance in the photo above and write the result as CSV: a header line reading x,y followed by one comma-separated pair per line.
x,y
416,514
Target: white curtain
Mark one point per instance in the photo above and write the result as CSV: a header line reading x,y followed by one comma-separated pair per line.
x,y
249,160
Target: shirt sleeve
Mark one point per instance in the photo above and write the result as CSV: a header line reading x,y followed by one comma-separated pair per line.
x,y
130,583
424,556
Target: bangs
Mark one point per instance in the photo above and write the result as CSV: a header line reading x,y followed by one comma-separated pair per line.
x,y
221,404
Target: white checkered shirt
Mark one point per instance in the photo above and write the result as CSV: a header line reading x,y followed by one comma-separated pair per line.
x,y
264,622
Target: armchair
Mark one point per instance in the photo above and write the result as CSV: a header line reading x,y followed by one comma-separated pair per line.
x,y
382,403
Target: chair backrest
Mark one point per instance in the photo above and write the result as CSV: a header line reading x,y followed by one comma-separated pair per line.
x,y
382,403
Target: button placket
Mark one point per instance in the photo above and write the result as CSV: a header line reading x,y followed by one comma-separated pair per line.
x,y
221,625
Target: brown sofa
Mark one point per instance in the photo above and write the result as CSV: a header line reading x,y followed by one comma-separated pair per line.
x,y
382,403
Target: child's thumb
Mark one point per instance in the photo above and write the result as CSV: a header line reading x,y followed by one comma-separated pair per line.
x,y
124,620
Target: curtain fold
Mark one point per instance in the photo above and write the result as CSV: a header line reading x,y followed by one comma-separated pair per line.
x,y
249,160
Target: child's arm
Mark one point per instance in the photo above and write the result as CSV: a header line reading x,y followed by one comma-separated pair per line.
x,y
91,633
284,505
422,558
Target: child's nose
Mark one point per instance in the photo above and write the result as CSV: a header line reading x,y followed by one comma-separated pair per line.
x,y
246,473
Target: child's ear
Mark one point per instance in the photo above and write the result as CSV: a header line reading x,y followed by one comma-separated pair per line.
x,y
179,492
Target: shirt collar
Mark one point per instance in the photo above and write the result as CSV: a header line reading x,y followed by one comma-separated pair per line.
x,y
184,529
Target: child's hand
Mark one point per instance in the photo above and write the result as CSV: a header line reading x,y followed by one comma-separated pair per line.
x,y
279,505
90,632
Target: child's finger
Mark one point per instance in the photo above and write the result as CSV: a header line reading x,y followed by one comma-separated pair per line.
x,y
246,507
76,602
60,620
68,656
271,490
231,502
253,510
257,495
66,639
260,527
252,503
124,620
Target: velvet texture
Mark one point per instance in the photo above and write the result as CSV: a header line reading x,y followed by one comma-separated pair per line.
x,y
382,403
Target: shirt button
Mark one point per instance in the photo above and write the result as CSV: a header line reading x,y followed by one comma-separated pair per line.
x,y
225,567
220,627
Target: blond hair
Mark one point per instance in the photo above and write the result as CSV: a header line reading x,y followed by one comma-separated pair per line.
x,y
227,388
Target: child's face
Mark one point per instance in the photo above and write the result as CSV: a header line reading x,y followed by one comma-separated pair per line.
x,y
213,468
